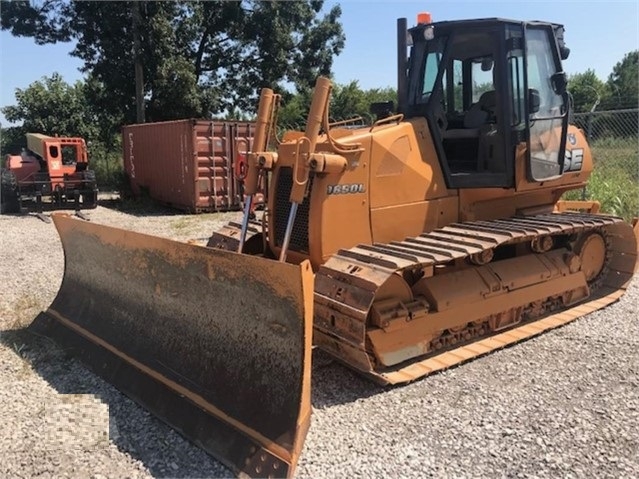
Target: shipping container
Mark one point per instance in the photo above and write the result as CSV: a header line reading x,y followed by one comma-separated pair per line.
x,y
193,165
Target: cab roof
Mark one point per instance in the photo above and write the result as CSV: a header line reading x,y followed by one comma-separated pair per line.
x,y
449,24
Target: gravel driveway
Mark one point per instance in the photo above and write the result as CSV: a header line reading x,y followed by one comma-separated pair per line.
x,y
563,404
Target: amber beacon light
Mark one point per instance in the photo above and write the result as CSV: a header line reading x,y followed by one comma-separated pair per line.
x,y
424,18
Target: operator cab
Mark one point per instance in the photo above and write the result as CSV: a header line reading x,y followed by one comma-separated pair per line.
x,y
485,87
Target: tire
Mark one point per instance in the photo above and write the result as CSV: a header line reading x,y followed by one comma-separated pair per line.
x,y
9,201
89,200
90,194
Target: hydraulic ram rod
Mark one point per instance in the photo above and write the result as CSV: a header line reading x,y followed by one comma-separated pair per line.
x,y
264,113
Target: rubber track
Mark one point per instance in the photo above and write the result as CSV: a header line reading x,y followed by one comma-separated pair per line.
x,y
346,284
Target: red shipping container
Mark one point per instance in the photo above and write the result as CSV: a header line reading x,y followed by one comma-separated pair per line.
x,y
193,165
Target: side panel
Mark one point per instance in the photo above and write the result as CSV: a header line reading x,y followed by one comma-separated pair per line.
x,y
404,166
53,158
159,158
340,206
336,213
408,192
419,217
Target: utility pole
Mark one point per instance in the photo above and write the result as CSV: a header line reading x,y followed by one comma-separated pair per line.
x,y
137,55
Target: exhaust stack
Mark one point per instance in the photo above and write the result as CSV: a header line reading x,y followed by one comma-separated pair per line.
x,y
402,64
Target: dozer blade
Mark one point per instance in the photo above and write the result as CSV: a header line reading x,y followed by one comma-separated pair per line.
x,y
215,343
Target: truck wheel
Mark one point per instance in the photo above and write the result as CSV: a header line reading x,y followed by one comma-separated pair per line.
x,y
90,195
9,202
89,200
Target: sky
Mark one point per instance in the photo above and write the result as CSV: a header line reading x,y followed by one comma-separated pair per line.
x,y
597,33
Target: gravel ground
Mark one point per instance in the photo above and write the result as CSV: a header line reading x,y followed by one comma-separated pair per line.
x,y
563,404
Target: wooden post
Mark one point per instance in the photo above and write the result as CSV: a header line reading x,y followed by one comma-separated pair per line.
x,y
137,55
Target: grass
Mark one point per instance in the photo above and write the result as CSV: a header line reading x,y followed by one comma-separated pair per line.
x,y
615,179
22,312
25,308
108,166
181,224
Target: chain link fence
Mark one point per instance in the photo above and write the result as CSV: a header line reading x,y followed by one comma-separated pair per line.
x,y
614,139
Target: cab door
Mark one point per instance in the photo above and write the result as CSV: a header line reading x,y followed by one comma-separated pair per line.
x,y
547,104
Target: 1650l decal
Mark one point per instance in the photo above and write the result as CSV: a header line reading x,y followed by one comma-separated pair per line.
x,y
345,189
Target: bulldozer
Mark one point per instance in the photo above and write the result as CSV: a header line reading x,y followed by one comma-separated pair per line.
x,y
50,167
433,236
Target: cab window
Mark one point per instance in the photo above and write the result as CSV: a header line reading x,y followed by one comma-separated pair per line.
x,y
547,109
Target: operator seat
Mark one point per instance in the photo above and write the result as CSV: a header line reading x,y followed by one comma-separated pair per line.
x,y
477,115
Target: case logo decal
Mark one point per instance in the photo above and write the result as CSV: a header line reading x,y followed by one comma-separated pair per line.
x,y
573,160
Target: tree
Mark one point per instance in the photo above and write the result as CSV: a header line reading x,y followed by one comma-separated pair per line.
x,y
294,109
350,100
347,101
586,89
11,142
197,58
53,107
623,83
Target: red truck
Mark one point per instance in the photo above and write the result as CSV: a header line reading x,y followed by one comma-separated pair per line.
x,y
53,168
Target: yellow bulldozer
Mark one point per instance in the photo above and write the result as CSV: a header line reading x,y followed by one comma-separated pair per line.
x,y
433,236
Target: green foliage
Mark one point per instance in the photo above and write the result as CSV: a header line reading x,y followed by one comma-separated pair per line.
x,y
623,83
615,179
199,58
11,141
106,161
609,126
350,100
620,91
294,109
53,107
347,101
586,89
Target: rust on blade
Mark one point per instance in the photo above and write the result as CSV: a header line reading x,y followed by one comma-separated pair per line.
x,y
214,343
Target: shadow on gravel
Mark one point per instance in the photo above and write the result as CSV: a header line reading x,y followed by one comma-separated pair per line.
x,y
135,431
32,215
141,208
334,383
145,206
132,429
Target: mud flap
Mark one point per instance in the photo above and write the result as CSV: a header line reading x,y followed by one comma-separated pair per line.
x,y
214,343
